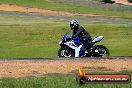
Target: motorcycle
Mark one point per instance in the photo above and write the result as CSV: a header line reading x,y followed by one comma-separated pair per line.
x,y
73,47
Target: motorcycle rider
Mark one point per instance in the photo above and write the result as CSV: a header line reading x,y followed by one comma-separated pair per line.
x,y
78,30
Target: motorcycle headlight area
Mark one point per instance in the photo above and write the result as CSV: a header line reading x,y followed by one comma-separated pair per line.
x,y
60,41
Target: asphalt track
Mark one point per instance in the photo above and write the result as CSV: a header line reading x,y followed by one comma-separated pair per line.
x,y
96,19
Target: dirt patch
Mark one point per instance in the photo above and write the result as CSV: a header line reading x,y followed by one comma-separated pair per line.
x,y
6,7
19,68
15,8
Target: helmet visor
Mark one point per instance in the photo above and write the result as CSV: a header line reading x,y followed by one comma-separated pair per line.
x,y
71,25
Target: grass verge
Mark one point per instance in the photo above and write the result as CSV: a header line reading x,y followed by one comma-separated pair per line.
x,y
56,81
25,37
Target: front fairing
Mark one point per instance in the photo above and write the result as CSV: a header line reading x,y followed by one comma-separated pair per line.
x,y
71,42
64,39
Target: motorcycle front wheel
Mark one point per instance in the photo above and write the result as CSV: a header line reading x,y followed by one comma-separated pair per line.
x,y
65,52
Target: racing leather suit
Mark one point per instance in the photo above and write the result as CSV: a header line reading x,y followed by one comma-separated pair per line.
x,y
86,38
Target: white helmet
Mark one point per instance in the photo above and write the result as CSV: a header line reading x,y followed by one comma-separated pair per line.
x,y
74,24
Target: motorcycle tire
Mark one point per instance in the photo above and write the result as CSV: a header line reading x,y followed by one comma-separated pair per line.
x,y
66,52
102,51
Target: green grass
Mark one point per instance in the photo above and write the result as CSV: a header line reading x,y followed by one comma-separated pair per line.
x,y
27,37
22,37
77,6
56,81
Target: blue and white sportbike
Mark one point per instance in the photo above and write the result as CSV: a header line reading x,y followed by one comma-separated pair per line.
x,y
73,47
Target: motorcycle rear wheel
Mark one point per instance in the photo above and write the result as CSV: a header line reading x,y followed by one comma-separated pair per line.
x,y
102,51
